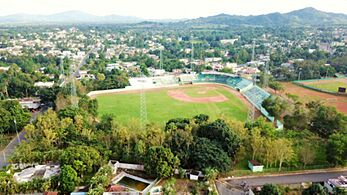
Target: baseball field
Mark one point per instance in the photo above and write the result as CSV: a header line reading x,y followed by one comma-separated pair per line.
x,y
331,85
167,103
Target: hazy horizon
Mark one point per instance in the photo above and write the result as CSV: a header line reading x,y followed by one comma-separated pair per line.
x,y
167,9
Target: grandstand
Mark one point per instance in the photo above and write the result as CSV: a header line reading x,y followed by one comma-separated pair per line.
x,y
186,79
254,94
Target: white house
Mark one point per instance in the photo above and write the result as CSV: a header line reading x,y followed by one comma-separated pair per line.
x,y
255,166
44,84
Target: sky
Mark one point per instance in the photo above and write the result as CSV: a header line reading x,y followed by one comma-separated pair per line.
x,y
167,9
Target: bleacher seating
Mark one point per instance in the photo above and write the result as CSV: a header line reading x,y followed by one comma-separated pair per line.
x,y
254,94
233,81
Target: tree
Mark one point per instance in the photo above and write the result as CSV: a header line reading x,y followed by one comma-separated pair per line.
x,y
169,187
298,120
221,133
269,189
7,183
100,180
275,106
211,174
106,123
179,142
339,191
100,77
161,162
84,159
256,142
201,118
326,120
206,153
177,123
307,154
337,149
267,152
68,179
12,116
283,151
315,189
275,85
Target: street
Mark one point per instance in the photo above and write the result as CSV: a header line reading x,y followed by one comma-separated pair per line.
x,y
288,178
10,148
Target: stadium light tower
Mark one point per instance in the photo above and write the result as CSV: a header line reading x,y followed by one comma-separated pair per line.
x,y
192,57
62,73
143,104
161,58
266,72
251,112
74,100
253,50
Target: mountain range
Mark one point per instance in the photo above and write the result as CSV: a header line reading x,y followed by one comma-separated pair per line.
x,y
306,16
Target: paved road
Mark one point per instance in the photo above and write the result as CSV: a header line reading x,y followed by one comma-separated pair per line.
x,y
288,179
83,61
10,148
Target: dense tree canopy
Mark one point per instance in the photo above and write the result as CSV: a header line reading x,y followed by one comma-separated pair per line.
x,y
206,153
219,132
12,116
161,162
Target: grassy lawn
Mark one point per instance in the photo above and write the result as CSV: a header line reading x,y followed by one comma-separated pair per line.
x,y
330,86
161,107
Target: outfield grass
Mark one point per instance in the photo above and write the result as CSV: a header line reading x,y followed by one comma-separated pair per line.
x,y
161,107
328,86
